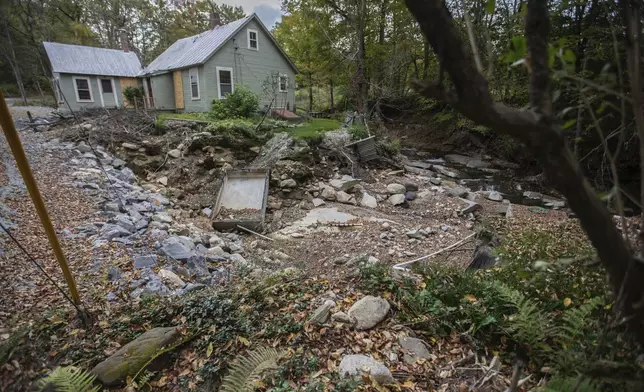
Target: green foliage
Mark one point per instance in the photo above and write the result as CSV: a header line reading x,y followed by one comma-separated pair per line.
x,y
567,384
391,148
313,129
248,368
241,103
134,96
233,128
358,132
68,379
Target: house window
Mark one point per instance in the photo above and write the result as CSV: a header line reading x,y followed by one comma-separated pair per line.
x,y
83,90
252,39
194,83
283,83
106,85
225,83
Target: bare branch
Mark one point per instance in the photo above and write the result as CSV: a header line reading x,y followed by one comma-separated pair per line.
x,y
470,35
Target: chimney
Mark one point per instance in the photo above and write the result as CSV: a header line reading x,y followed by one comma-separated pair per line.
x,y
124,44
215,20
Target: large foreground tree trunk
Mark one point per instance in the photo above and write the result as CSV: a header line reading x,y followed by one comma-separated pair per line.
x,y
537,130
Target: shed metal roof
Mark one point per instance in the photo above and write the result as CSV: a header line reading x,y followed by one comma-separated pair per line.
x,y
88,60
197,49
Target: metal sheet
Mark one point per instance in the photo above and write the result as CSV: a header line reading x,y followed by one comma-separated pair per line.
x,y
240,190
87,60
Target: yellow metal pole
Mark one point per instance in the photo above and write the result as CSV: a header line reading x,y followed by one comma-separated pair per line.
x,y
21,160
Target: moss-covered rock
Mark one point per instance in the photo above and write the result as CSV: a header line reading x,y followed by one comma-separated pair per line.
x,y
133,356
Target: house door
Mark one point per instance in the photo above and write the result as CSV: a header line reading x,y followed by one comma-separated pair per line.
x,y
150,97
109,95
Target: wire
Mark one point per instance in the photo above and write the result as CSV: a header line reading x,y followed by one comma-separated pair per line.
x,y
33,260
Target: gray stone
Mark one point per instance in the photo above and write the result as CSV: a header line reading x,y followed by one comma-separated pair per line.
x,y
123,221
118,163
130,146
111,297
162,217
396,199
414,349
395,189
163,180
131,358
175,153
158,199
113,273
110,231
369,311
317,202
145,261
239,260
288,183
112,207
435,180
158,225
90,185
457,191
341,317
173,248
471,207
344,184
192,287
355,365
171,278
368,201
417,234
495,196
142,223
345,198
207,212
410,195
532,195
424,194
83,147
445,171
197,264
328,193
321,314
216,241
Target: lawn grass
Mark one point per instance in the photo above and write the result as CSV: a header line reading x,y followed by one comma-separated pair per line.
x,y
313,128
162,117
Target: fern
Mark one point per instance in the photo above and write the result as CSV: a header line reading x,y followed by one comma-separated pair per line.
x,y
529,325
247,368
141,380
68,379
573,321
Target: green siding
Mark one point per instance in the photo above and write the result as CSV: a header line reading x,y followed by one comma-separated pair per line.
x,y
252,68
67,87
163,91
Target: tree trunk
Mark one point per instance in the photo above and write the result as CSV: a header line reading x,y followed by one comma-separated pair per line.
x,y
331,91
13,63
425,59
383,20
310,92
360,77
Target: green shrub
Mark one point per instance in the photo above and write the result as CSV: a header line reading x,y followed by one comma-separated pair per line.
x,y
358,132
233,128
242,103
390,149
134,96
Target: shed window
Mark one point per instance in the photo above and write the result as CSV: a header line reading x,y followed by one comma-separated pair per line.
x,y
194,83
225,81
83,90
106,85
252,39
283,83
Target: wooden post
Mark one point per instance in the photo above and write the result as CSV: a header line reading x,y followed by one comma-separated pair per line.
x,y
9,130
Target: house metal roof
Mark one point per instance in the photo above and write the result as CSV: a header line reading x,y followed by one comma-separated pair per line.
x,y
197,49
87,60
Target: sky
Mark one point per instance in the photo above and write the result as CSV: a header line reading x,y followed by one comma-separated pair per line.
x,y
267,10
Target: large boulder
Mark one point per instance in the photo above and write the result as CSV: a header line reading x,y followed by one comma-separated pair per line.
x,y
355,365
131,358
368,201
397,199
369,311
395,189
174,248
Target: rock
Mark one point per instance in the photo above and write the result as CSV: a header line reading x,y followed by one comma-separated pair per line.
x,y
173,248
483,258
410,195
471,207
345,198
396,199
328,193
368,201
111,297
532,195
372,260
163,180
162,217
495,196
288,183
141,223
457,191
238,260
369,311
171,278
175,153
113,273
445,171
207,212
474,163
273,203
424,194
417,234
197,264
317,202
445,228
435,180
118,163
355,365
123,221
341,317
157,199
83,147
415,349
215,241
553,203
145,261
112,207
130,146
344,184
395,189
321,314
110,231
504,210
129,359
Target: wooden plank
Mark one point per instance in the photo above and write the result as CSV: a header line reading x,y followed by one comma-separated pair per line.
x,y
178,90
125,83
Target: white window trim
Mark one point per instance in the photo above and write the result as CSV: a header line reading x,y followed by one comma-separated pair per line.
x,y
89,86
248,31
279,83
232,81
196,71
100,90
